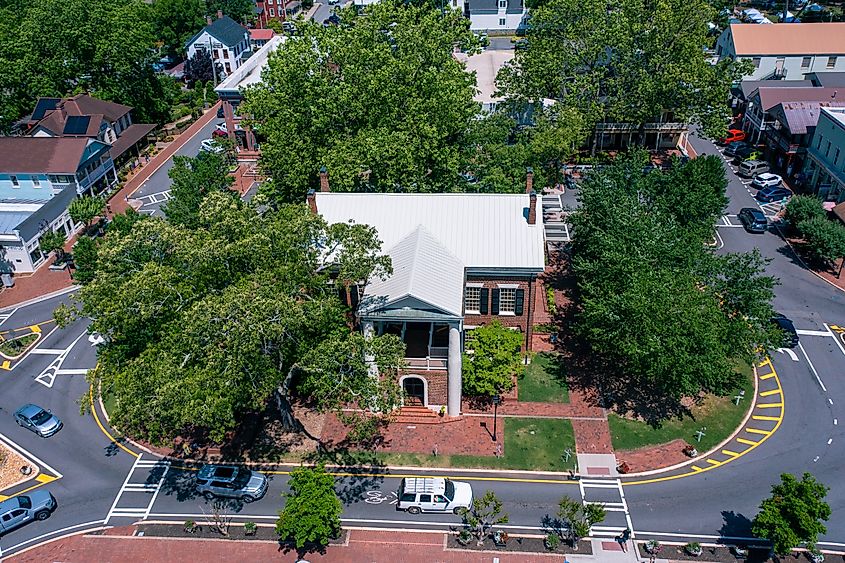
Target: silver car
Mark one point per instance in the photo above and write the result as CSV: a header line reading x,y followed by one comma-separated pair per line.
x,y
17,511
39,420
231,481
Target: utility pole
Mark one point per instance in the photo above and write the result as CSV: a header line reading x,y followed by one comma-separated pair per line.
x,y
211,56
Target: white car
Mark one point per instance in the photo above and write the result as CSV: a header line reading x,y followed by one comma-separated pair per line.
x,y
766,180
433,494
210,145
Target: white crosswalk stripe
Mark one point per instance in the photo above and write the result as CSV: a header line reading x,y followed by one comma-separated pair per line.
x,y
148,468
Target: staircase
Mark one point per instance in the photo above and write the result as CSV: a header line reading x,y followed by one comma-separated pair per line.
x,y
413,414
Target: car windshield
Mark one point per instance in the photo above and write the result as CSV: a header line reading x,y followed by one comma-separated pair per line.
x,y
41,417
242,478
25,502
450,490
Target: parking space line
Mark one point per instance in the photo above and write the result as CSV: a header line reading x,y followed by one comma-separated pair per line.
x,y
767,376
768,405
769,393
756,431
760,417
747,442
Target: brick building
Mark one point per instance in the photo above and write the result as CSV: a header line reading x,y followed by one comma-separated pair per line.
x,y
459,261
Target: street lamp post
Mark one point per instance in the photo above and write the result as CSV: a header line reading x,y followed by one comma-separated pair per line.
x,y
497,400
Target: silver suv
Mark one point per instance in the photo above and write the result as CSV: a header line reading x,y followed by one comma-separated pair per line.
x,y
17,511
231,481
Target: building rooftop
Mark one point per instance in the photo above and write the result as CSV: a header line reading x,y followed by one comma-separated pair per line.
x,y
799,116
836,114
51,155
789,39
261,34
749,86
250,72
225,29
480,230
770,97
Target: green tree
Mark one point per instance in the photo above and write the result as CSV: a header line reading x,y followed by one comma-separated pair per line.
x,y
381,102
803,208
824,240
578,518
210,323
311,516
491,359
793,514
53,241
193,179
84,260
239,10
485,512
200,68
85,209
175,21
628,62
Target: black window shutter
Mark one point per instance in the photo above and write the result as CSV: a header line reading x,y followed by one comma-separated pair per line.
x,y
520,302
485,299
495,303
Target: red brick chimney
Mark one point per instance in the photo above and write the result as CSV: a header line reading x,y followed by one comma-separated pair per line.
x,y
219,14
532,208
529,180
324,180
311,198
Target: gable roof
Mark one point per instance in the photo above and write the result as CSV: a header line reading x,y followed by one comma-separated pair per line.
x,y
52,113
770,97
798,116
748,87
481,230
261,34
789,39
51,155
225,29
423,269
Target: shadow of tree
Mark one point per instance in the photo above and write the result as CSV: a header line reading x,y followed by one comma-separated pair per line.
x,y
735,525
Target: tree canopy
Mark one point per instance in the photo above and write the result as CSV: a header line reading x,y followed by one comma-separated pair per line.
x,y
176,21
671,317
311,516
624,61
793,514
491,359
239,10
236,312
193,178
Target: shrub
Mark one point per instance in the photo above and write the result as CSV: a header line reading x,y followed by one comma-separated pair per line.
x,y
803,208
552,541
250,528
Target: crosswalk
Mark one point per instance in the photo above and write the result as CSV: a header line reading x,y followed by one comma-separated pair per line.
x,y
158,197
609,493
135,499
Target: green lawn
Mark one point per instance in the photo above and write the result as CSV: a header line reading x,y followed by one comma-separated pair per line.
x,y
544,380
530,443
718,414
14,347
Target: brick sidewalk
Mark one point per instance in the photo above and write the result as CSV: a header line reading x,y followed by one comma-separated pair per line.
x,y
362,545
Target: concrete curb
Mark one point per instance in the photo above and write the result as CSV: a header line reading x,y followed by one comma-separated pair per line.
x,y
40,298
801,260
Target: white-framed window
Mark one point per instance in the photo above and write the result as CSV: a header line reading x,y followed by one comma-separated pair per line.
x,y
272,13
472,299
507,300
502,22
503,3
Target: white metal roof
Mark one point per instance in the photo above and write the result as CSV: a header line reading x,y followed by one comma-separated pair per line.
x,y
422,268
250,71
480,230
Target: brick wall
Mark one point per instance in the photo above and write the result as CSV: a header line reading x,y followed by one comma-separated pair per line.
x,y
437,382
525,321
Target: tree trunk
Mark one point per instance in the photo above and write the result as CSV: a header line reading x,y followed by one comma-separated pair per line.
x,y
284,408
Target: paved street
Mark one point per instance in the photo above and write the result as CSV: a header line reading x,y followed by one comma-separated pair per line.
x,y
96,482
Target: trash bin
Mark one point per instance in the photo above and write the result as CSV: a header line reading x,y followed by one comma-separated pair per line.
x,y
8,280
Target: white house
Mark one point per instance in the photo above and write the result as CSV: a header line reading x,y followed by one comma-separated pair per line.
x,y
226,39
785,51
493,15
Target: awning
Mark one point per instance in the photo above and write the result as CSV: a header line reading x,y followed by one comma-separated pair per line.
x,y
130,136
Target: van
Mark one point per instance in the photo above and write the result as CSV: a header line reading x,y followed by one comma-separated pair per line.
x,y
751,168
433,494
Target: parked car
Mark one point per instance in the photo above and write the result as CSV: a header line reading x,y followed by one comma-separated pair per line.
x,y
211,145
333,2
433,494
17,511
333,19
746,153
734,146
289,27
790,334
39,420
520,44
765,180
231,481
753,220
733,136
770,194
752,167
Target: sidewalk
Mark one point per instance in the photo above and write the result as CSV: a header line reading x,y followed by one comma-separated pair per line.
x,y
119,546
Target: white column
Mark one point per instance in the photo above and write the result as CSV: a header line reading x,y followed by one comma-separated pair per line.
x,y
372,368
454,399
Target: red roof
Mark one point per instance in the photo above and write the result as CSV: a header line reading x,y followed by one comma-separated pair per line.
x,y
261,34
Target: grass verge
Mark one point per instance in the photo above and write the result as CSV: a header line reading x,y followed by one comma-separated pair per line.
x,y
15,347
720,415
544,380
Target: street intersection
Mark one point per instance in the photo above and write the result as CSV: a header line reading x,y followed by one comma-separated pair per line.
x,y
796,425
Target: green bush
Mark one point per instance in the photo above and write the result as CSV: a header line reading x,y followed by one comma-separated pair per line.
x,y
803,208
824,240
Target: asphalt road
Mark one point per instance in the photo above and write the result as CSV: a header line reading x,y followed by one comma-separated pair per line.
x,y
100,483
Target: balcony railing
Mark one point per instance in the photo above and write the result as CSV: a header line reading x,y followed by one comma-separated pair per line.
x,y
96,174
438,358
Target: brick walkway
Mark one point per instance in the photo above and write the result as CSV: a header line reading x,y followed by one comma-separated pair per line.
x,y
362,545
42,281
654,457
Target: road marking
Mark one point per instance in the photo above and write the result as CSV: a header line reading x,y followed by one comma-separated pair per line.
x,y
5,316
694,468
48,377
830,441
730,453
767,376
747,442
812,367
755,431
9,550
28,455
769,393
788,352
768,405
760,417
836,339
145,487
713,461
801,332
103,428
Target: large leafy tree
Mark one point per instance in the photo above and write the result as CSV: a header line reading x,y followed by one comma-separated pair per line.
x,y
175,21
793,514
192,180
654,302
491,360
239,10
209,322
85,209
379,100
200,68
626,60
311,516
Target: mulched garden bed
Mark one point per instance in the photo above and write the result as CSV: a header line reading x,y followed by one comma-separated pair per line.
x,y
724,555
206,531
521,545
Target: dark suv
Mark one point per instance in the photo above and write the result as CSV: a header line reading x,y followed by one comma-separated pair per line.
x,y
753,220
231,481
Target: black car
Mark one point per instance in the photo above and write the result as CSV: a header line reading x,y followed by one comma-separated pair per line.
x,y
790,336
772,193
753,220
745,153
731,149
333,19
